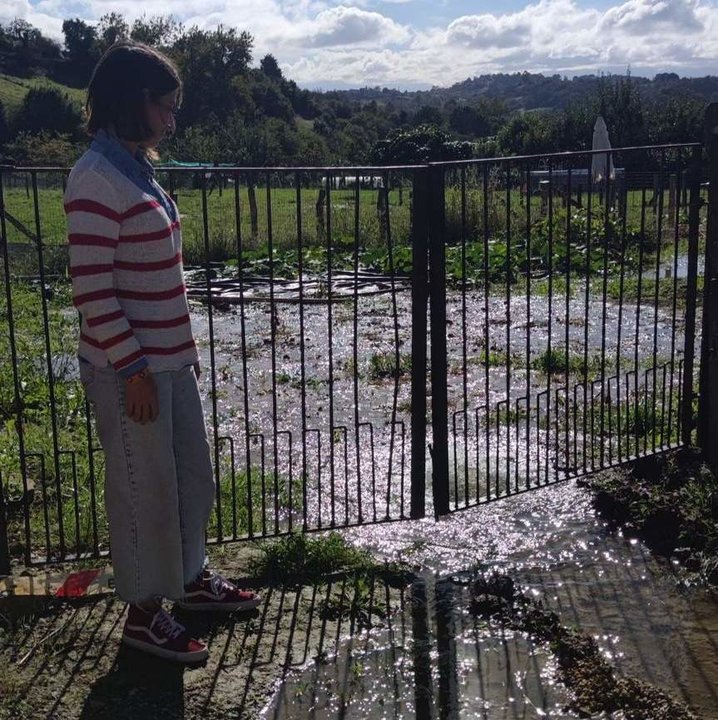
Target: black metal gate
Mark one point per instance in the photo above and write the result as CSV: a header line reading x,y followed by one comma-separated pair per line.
x,y
563,315
529,319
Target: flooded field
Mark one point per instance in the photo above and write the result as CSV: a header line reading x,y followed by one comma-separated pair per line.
x,y
431,658
324,392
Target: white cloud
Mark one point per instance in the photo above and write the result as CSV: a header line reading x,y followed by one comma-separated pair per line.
x,y
645,17
482,31
358,42
344,25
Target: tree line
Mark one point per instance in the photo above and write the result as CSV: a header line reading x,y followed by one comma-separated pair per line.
x,y
236,112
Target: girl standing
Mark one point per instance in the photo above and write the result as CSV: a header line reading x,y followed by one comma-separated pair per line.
x,y
138,360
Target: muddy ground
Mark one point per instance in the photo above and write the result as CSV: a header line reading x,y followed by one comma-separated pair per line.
x,y
64,660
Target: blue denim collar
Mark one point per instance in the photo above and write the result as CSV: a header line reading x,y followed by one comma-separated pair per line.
x,y
120,157
138,169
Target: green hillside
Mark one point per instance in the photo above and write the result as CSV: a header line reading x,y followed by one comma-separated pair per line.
x,y
14,89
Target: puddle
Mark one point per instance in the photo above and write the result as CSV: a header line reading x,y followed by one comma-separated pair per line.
x,y
552,544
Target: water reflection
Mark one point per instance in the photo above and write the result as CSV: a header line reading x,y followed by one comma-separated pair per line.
x,y
434,660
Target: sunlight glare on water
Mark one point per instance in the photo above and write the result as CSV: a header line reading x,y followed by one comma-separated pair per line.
x,y
552,544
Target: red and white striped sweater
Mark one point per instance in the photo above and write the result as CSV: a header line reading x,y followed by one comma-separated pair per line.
x,y
126,269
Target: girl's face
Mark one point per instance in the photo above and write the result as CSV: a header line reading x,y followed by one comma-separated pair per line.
x,y
161,118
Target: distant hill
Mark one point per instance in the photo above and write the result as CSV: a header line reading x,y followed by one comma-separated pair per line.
x,y
530,91
519,91
13,90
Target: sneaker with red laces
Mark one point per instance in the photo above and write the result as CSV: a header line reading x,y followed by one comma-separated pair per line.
x,y
158,633
210,591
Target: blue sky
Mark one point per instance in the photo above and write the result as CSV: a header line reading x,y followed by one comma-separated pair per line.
x,y
419,43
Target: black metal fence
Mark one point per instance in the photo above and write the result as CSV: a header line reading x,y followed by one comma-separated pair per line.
x,y
560,338
570,303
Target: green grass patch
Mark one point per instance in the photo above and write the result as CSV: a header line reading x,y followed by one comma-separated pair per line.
x,y
556,362
387,365
14,89
309,558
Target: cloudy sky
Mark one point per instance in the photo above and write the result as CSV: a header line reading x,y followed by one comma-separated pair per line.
x,y
418,43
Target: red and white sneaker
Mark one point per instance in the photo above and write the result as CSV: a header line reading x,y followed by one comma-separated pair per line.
x,y
210,591
158,633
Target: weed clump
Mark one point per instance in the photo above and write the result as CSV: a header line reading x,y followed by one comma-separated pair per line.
x,y
670,502
309,559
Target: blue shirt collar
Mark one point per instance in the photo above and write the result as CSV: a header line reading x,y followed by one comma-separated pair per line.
x,y
138,168
109,146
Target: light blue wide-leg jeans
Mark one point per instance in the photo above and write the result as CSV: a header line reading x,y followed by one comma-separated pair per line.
x,y
159,484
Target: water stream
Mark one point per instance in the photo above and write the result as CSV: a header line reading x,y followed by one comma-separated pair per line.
x,y
552,544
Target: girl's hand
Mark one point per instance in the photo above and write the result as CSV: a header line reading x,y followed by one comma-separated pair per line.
x,y
141,402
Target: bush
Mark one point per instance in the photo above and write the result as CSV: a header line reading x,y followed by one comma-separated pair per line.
x,y
46,109
44,148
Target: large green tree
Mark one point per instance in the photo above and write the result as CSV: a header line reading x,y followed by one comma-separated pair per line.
x,y
111,29
210,61
529,133
81,47
156,30
47,109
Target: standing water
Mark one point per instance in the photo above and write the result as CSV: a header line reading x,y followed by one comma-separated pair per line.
x,y
434,659
431,657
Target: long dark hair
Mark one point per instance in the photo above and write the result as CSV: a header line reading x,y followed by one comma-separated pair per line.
x,y
124,77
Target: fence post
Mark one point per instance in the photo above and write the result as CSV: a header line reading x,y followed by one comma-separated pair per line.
x,y
437,294
4,547
693,178
708,404
419,302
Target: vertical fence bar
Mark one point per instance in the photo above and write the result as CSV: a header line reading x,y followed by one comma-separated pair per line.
x,y
419,299
243,339
4,545
274,321
623,211
694,210
487,339
708,409
384,191
464,347
528,326
549,346
212,362
302,355
657,284
437,290
675,193
641,248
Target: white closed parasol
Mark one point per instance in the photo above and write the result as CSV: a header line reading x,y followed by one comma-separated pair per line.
x,y
601,163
